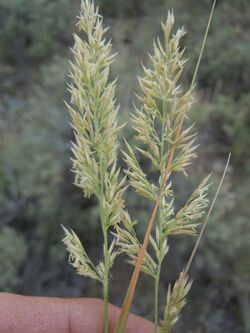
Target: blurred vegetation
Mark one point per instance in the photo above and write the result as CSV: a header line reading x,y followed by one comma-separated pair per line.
x,y
36,190
15,254
33,29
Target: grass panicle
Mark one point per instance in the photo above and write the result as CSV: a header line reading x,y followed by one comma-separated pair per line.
x,y
169,149
164,136
93,113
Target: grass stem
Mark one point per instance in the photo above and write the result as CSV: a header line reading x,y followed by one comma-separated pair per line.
x,y
106,282
105,250
156,303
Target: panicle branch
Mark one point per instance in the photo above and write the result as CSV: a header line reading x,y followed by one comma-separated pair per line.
x,y
78,257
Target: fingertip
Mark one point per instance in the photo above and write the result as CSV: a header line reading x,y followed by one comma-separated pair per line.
x,y
23,313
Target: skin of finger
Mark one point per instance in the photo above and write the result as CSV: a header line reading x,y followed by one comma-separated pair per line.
x,y
27,314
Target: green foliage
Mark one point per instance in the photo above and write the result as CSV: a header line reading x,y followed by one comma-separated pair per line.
x,y
131,8
39,142
233,119
13,251
225,67
229,120
229,250
34,29
231,63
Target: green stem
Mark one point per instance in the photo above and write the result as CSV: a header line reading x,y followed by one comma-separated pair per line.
x,y
106,282
156,303
105,250
157,277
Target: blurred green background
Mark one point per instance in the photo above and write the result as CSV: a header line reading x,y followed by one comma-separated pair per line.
x,y
36,190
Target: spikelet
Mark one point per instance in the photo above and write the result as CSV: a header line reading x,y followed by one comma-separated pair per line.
x,y
176,300
138,178
113,201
